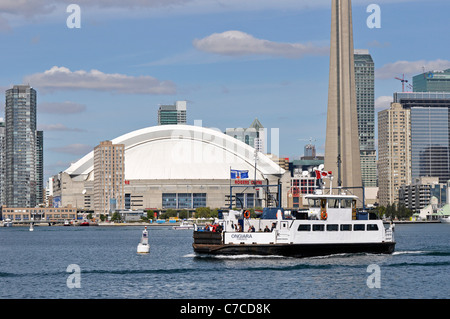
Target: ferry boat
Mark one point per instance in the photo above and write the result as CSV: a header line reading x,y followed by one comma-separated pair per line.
x,y
331,225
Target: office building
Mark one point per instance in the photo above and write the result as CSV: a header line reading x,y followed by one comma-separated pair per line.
x,y
430,134
21,142
432,81
254,135
418,194
365,105
394,152
109,177
342,153
172,114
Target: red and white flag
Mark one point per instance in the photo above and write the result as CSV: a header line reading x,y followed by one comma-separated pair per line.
x,y
322,174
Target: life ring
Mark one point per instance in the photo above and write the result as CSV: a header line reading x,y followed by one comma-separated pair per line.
x,y
246,214
323,215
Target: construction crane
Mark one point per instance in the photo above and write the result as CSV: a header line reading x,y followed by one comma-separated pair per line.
x,y
403,82
410,87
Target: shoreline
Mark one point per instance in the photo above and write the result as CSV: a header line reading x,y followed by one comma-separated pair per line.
x,y
398,222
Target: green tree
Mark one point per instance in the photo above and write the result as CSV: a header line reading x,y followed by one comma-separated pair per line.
x,y
183,214
116,217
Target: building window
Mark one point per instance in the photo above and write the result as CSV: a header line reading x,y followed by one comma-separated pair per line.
x,y
250,200
169,200
127,201
184,200
199,200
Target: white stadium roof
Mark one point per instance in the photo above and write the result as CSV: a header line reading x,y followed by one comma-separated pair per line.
x,y
183,152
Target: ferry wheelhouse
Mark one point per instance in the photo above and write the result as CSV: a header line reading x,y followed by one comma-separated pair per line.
x,y
331,225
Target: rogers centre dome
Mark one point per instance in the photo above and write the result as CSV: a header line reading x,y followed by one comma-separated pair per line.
x,y
182,152
170,166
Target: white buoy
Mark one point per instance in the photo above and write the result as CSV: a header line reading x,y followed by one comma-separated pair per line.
x,y
143,247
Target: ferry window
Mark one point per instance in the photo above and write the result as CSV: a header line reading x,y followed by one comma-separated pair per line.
x,y
313,202
332,227
319,227
372,227
333,203
346,227
303,227
358,227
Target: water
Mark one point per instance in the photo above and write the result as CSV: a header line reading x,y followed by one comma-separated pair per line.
x,y
34,265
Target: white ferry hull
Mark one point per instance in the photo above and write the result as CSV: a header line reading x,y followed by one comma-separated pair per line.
x,y
295,250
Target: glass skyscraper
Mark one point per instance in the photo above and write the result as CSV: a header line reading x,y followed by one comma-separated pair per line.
x,y
22,171
365,105
430,118
172,114
432,81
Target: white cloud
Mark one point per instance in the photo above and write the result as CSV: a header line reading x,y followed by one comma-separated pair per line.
x,y
74,149
58,127
66,107
383,102
61,78
410,68
237,43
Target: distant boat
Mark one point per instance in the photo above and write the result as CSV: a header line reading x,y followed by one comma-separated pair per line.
x,y
143,247
184,225
31,227
445,219
84,223
67,223
7,222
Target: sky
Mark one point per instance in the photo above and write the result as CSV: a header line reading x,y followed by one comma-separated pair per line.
x,y
232,61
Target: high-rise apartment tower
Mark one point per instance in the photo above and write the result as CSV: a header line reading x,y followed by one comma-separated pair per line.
x,y
109,177
365,105
21,169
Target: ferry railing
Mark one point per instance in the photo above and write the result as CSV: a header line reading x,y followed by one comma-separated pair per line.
x,y
389,234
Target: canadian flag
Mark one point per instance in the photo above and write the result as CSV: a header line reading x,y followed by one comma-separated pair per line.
x,y
322,174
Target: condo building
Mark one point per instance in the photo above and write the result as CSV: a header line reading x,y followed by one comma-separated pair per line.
x,y
109,177
394,152
365,105
23,149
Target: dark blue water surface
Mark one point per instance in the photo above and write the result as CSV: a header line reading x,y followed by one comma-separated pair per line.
x,y
34,265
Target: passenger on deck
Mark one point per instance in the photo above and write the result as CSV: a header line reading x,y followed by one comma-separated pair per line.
x,y
273,226
267,230
251,229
